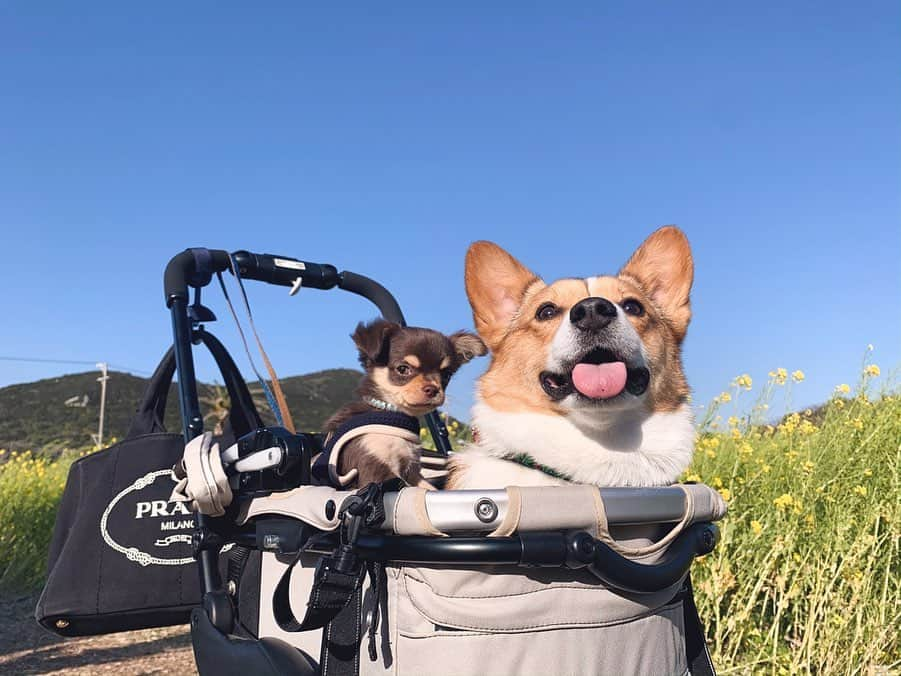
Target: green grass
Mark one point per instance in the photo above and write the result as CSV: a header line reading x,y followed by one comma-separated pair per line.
x,y
807,576
30,490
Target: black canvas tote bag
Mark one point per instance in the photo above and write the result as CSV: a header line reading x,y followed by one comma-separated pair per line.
x,y
120,556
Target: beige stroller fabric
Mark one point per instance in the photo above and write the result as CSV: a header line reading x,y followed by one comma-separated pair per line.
x,y
505,619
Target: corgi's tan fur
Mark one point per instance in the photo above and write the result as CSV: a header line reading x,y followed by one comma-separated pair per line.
x,y
600,399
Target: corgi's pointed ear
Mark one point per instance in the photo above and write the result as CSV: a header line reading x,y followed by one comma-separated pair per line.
x,y
495,284
373,341
663,267
467,345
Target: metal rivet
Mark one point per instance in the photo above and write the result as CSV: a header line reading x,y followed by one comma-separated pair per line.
x,y
232,588
486,511
62,624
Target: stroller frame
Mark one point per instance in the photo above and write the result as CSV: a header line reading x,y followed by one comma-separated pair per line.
x,y
212,625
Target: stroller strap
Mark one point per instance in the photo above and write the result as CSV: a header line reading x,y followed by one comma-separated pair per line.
x,y
274,395
696,651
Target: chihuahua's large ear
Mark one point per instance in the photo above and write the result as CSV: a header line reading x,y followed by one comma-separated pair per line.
x,y
467,345
373,340
495,284
663,267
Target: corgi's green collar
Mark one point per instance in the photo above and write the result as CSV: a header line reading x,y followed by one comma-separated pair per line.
x,y
527,460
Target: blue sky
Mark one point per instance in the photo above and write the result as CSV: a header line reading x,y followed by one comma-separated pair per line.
x,y
385,138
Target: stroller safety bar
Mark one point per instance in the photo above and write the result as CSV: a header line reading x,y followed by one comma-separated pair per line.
x,y
483,511
552,526
553,549
499,512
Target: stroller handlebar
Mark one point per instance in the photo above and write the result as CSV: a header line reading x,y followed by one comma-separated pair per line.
x,y
195,268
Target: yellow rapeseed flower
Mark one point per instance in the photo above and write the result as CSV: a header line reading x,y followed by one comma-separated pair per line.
x,y
807,427
872,370
726,493
736,434
808,466
724,398
860,490
844,388
693,478
868,472
783,502
798,376
839,403
743,381
716,482
779,376
733,421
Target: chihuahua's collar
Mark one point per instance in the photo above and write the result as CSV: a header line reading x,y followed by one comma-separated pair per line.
x,y
382,405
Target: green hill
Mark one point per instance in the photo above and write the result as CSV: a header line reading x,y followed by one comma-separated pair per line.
x,y
36,415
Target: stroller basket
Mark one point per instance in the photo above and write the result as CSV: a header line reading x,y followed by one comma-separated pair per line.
x,y
553,579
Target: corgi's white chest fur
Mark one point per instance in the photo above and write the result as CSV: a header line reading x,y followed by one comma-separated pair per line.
x,y
648,449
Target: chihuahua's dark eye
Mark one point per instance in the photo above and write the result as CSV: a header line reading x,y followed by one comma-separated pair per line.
x,y
547,311
633,307
403,369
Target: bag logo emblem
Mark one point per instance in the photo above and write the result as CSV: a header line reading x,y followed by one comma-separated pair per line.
x,y
165,542
149,509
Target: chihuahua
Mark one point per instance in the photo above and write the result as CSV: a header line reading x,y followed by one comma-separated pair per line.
x,y
376,437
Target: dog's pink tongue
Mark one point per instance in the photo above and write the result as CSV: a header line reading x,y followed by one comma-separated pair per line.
x,y
600,381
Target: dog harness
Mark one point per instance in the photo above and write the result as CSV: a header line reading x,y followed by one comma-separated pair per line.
x,y
385,422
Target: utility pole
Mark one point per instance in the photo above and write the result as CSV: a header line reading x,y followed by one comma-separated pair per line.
x,y
98,438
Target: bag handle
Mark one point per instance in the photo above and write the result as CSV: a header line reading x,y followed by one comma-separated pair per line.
x,y
243,416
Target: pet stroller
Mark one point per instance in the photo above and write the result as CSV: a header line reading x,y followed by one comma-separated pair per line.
x,y
396,579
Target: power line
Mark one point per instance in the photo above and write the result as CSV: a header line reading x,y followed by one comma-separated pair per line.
x,y
49,361
42,360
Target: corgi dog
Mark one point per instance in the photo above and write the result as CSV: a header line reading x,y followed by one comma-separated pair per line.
x,y
586,382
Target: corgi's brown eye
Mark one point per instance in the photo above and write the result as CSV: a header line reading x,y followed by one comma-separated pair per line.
x,y
633,307
547,311
403,369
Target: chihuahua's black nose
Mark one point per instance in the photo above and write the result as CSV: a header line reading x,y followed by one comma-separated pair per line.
x,y
592,314
429,390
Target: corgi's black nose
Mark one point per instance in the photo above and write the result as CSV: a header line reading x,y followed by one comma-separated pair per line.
x,y
592,314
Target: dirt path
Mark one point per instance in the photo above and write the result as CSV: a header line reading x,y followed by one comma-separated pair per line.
x,y
26,648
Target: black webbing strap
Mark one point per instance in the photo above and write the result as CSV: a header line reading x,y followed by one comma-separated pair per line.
x,y
340,655
331,592
336,597
699,663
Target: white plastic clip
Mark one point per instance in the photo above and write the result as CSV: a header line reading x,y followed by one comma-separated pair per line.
x,y
269,457
295,287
